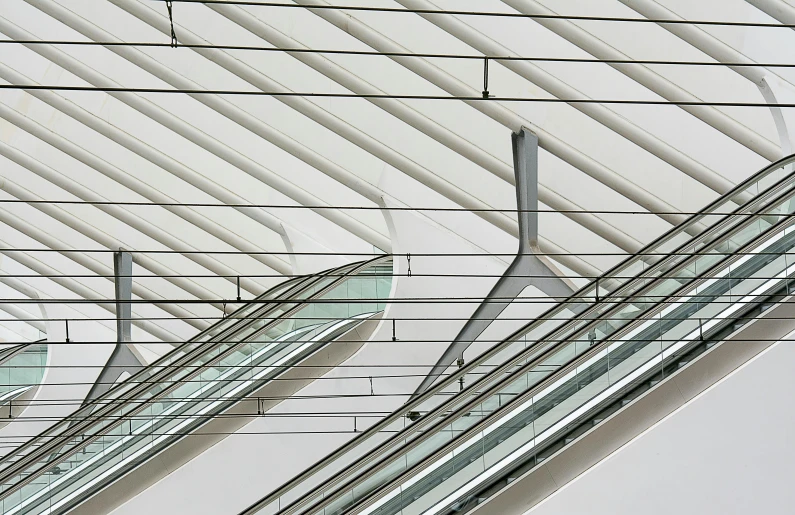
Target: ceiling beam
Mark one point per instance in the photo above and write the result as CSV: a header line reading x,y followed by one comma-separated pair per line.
x,y
649,79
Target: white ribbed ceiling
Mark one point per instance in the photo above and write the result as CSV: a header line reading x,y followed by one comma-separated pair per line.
x,y
350,152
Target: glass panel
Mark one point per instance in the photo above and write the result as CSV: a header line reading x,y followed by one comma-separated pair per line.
x,y
679,272
532,427
246,359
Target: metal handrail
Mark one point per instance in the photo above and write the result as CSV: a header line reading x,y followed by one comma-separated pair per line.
x,y
36,456
506,379
87,411
460,373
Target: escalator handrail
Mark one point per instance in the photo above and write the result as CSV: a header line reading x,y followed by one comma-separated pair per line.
x,y
327,331
86,412
576,298
55,441
573,364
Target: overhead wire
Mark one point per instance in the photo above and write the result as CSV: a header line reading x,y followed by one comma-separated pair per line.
x,y
375,254
405,274
498,14
400,208
535,299
375,53
309,94
332,319
399,341
361,8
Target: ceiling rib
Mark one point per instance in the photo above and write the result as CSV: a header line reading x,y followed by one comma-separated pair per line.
x,y
403,112
229,110
776,9
311,110
23,315
68,219
20,287
496,111
650,79
124,215
200,138
353,135
121,177
573,262
96,267
152,155
80,290
558,88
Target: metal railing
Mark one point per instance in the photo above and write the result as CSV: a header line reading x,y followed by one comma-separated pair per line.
x,y
659,259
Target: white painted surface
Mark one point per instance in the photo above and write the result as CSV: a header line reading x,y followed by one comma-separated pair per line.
x,y
729,451
244,467
72,369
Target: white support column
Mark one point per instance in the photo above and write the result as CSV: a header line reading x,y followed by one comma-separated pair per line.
x,y
122,360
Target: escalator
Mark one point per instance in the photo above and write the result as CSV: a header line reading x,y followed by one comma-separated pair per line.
x,y
550,383
212,384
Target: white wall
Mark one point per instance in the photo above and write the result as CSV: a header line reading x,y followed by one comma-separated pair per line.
x,y
262,455
729,451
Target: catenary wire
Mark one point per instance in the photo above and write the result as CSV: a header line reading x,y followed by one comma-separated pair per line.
x,y
373,276
663,299
372,53
309,94
378,254
398,208
399,341
331,319
450,12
